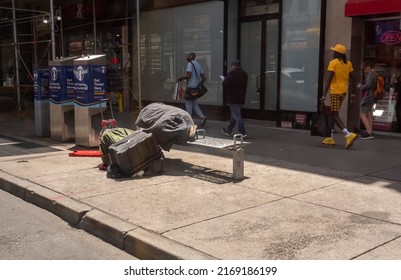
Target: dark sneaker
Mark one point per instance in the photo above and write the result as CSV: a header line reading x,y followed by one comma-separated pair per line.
x,y
243,136
366,136
203,122
225,132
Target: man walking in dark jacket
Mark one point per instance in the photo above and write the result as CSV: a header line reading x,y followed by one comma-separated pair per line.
x,y
234,87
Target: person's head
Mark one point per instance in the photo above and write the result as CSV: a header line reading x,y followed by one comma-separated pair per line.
x,y
368,66
235,64
191,56
339,52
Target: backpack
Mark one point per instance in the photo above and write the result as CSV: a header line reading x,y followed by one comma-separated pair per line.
x,y
109,137
379,92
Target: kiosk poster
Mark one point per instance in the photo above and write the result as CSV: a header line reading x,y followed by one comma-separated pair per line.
x,y
61,84
41,84
55,84
99,82
384,116
70,85
81,84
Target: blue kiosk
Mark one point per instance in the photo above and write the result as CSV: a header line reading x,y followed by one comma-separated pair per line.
x,y
41,101
61,97
90,90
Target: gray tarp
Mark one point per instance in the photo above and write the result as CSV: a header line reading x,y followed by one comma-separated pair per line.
x,y
168,124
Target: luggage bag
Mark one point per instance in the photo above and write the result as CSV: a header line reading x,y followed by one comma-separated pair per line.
x,y
135,152
109,137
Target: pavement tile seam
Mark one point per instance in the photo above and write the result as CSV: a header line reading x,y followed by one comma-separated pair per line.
x,y
346,211
376,247
323,235
222,215
136,188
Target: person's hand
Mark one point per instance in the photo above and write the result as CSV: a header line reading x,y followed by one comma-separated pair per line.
x,y
322,99
180,79
353,98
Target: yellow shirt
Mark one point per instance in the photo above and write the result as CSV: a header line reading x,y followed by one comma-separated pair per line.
x,y
339,83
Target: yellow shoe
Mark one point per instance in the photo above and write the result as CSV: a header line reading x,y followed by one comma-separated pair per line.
x,y
329,141
192,133
350,139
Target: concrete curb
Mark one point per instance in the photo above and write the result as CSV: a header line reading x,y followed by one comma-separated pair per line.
x,y
106,227
136,241
151,246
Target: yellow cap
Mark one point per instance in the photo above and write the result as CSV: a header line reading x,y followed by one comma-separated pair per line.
x,y
339,48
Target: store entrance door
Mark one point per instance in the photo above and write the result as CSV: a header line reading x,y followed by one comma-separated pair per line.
x,y
259,45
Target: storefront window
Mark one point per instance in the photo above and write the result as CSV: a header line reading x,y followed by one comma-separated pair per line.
x,y
168,35
383,48
300,55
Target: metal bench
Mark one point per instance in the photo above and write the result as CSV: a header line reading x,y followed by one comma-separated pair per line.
x,y
236,145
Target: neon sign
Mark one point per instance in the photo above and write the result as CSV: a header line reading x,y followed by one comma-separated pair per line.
x,y
391,37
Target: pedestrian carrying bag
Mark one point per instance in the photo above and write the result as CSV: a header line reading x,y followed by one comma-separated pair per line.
x,y
379,92
195,93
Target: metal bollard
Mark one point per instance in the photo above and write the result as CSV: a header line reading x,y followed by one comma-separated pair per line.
x,y
238,158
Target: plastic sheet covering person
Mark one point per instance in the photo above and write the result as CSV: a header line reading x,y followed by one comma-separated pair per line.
x,y
168,124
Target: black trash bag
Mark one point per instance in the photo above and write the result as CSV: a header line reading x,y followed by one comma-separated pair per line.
x,y
321,122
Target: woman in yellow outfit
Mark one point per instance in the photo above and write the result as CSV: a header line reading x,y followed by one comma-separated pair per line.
x,y
338,73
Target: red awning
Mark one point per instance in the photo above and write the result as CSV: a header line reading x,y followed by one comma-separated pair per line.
x,y
371,7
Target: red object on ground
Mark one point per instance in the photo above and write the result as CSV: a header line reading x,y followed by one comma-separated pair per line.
x,y
86,153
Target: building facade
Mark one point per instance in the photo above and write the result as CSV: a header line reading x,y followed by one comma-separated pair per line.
x,y
284,45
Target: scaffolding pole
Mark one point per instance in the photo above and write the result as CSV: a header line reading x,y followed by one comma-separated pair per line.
x,y
52,30
138,37
16,58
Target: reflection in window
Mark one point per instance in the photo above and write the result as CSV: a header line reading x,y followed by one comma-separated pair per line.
x,y
167,35
300,55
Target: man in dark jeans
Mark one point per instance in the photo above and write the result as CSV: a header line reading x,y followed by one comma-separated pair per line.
x,y
234,87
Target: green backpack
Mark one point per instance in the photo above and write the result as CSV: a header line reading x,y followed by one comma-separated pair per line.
x,y
109,137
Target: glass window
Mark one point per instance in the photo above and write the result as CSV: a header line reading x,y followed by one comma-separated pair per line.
x,y
300,55
168,35
383,49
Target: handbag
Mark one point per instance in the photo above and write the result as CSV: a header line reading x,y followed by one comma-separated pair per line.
x,y
195,93
321,121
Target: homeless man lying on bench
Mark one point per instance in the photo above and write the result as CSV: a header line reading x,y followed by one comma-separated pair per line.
x,y
168,124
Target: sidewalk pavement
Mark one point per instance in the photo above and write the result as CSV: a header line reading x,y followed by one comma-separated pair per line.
x,y
299,199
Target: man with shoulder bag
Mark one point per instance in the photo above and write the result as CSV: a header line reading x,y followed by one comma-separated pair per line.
x,y
195,77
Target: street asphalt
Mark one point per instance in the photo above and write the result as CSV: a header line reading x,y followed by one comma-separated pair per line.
x,y
299,199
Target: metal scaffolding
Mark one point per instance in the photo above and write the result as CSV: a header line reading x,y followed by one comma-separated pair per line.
x,y
50,16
